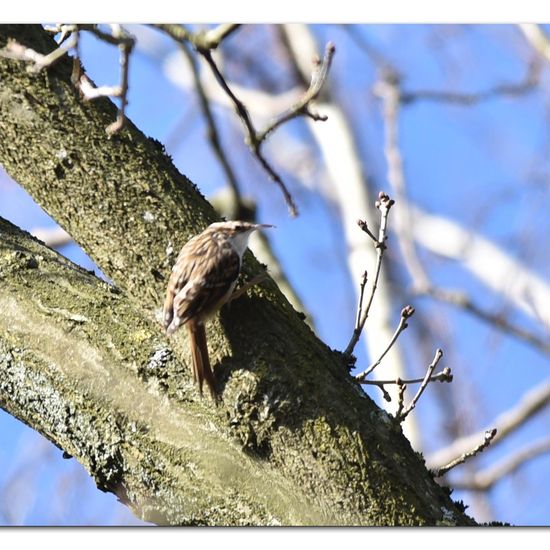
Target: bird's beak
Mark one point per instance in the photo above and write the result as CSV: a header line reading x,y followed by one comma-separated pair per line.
x,y
260,225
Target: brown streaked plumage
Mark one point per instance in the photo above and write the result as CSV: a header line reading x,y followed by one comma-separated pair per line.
x,y
202,280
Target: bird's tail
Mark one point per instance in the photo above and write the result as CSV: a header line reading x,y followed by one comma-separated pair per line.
x,y
201,362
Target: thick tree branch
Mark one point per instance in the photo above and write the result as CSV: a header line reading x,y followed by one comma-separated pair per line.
x,y
81,365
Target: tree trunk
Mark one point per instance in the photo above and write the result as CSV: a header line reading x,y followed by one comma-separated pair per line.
x,y
294,441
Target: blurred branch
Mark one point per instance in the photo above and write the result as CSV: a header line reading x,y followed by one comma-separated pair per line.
x,y
213,134
463,301
495,268
488,437
506,423
529,82
538,39
485,479
388,89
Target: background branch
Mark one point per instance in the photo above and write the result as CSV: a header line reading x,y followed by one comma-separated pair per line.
x,y
506,423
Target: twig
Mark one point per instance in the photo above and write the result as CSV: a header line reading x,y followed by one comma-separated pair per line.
x,y
302,107
364,227
485,479
251,138
125,43
125,46
255,139
425,382
384,204
443,376
488,437
400,399
213,134
361,294
406,312
529,82
507,422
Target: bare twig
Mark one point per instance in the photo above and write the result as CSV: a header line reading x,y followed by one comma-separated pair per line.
x,y
125,42
529,82
213,134
406,312
364,227
361,294
400,400
302,107
384,204
507,422
251,138
487,438
443,376
425,382
485,479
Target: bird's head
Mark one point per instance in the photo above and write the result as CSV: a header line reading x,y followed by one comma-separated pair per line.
x,y
237,231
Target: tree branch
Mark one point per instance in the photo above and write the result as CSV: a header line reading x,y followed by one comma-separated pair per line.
x,y
384,203
486,478
487,438
506,423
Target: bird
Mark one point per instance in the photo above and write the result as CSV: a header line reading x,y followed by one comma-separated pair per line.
x,y
203,279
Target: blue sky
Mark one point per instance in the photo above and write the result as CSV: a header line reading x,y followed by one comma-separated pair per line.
x,y
484,166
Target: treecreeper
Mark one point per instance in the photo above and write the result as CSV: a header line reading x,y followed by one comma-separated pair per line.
x,y
203,279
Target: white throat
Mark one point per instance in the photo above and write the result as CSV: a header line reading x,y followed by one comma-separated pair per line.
x,y
240,241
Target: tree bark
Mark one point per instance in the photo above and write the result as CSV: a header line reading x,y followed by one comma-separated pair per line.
x,y
294,441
